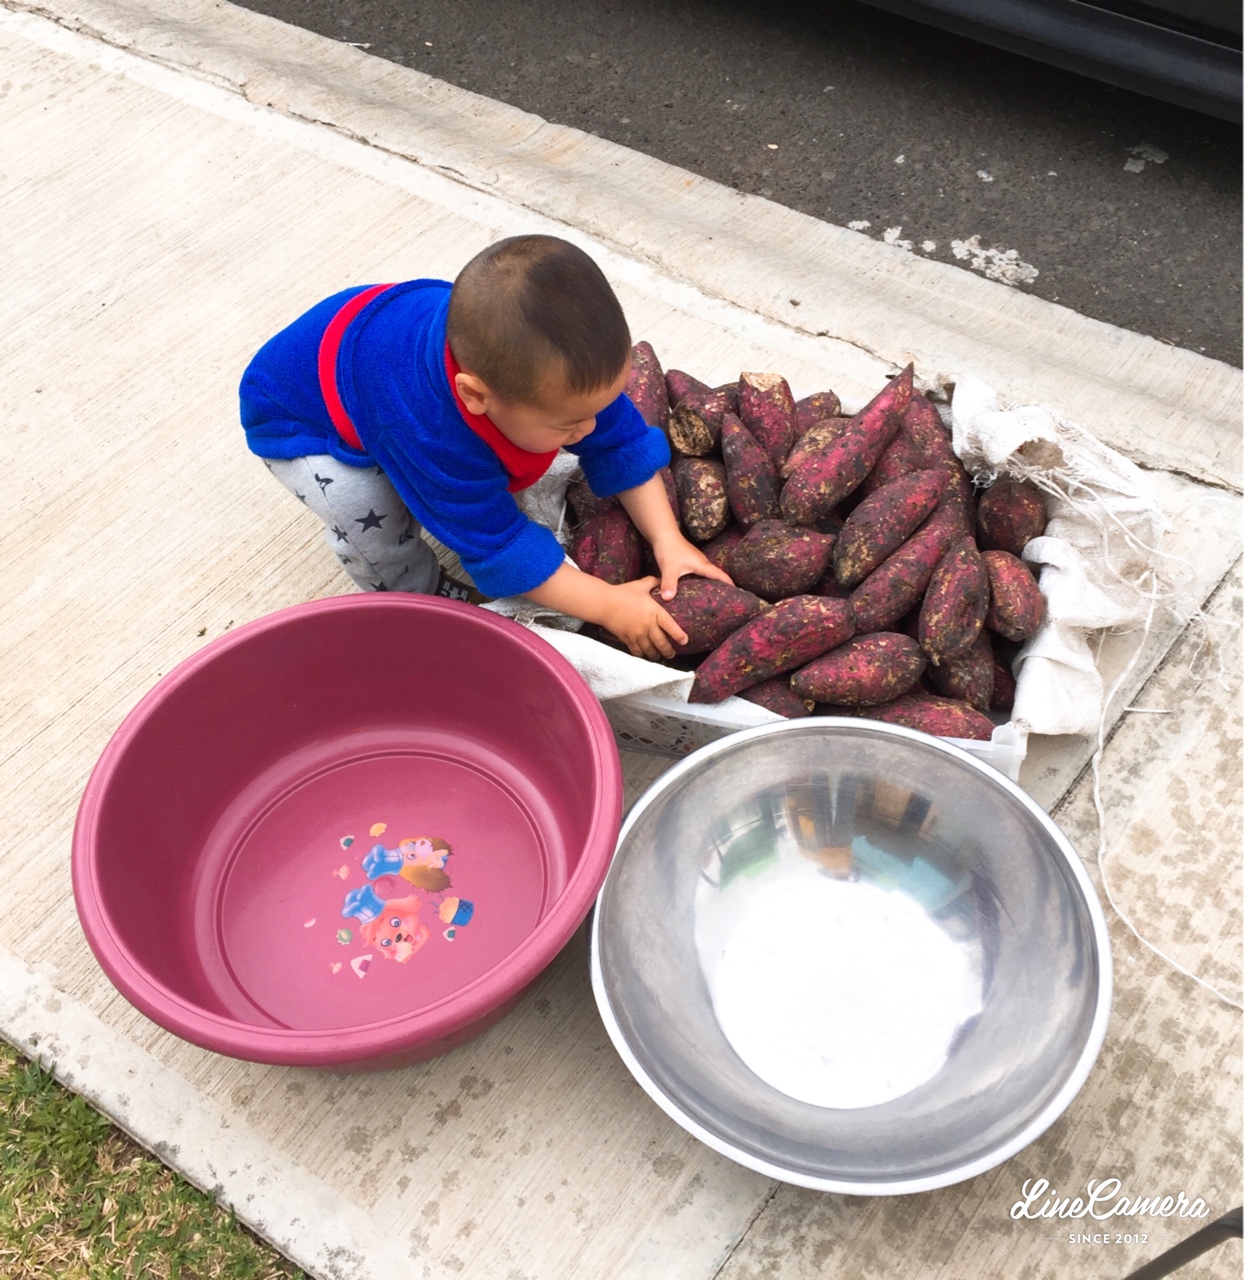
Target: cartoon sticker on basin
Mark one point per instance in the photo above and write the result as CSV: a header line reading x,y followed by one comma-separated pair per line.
x,y
387,907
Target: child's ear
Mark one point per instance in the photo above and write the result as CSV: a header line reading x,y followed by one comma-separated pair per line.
x,y
473,392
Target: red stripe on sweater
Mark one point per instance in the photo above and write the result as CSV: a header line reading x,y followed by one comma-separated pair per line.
x,y
523,467
330,344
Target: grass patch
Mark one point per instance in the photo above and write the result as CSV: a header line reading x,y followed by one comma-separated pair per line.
x,y
79,1200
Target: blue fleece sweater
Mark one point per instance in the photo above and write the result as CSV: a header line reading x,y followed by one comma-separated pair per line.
x,y
392,381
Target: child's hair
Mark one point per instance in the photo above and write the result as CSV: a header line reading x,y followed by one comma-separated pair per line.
x,y
532,307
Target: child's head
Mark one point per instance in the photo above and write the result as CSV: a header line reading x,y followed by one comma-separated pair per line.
x,y
540,338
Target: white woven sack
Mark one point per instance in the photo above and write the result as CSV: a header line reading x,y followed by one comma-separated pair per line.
x,y
1097,559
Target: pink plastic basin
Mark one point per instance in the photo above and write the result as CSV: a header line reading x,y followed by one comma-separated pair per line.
x,y
349,834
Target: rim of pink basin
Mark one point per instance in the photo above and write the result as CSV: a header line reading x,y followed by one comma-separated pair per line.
x,y
447,1017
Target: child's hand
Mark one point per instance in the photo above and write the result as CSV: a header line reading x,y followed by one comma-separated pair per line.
x,y
639,622
677,557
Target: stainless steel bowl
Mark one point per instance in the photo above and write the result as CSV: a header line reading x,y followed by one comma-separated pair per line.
x,y
850,956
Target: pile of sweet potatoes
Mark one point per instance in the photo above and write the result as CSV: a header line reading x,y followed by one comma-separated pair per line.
x,y
870,577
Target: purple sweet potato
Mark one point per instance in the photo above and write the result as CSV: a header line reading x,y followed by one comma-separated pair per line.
x,y
825,476
955,603
671,492
777,560
943,717
708,611
646,386
717,550
961,499
752,484
775,694
768,412
731,391
695,422
863,672
895,587
608,546
1004,655
883,522
789,635
679,385
583,503
813,409
967,676
831,587
1010,514
923,424
701,484
1016,605
898,459
817,437
830,522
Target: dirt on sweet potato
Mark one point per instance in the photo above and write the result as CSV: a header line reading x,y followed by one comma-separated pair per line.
x,y
955,602
752,484
923,425
679,385
1016,605
863,672
701,485
813,409
942,717
717,550
898,583
584,503
777,560
671,492
898,459
823,477
646,386
767,410
789,635
1009,515
608,546
695,423
967,676
881,523
775,694
731,391
1004,655
708,611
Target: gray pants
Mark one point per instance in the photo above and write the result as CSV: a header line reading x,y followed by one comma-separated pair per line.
x,y
367,526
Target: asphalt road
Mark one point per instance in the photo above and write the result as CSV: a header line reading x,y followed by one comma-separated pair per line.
x,y
1117,206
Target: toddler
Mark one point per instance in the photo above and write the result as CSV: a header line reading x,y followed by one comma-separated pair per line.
x,y
391,407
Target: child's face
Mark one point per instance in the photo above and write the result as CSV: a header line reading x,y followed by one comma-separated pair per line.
x,y
560,417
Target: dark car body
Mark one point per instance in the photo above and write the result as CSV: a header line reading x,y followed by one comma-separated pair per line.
x,y
1182,51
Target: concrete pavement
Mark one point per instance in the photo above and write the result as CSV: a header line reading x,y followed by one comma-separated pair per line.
x,y
180,179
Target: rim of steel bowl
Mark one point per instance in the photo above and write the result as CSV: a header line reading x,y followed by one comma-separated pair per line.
x,y
366,1041
898,1186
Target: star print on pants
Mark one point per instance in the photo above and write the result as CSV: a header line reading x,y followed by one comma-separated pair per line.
x,y
340,532
371,520
302,497
323,481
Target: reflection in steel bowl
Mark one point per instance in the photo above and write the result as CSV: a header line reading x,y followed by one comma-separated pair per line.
x,y
851,956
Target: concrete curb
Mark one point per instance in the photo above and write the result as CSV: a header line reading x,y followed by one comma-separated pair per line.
x,y
1165,407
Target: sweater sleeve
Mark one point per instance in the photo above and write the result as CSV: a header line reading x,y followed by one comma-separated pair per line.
x,y
474,514
622,452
